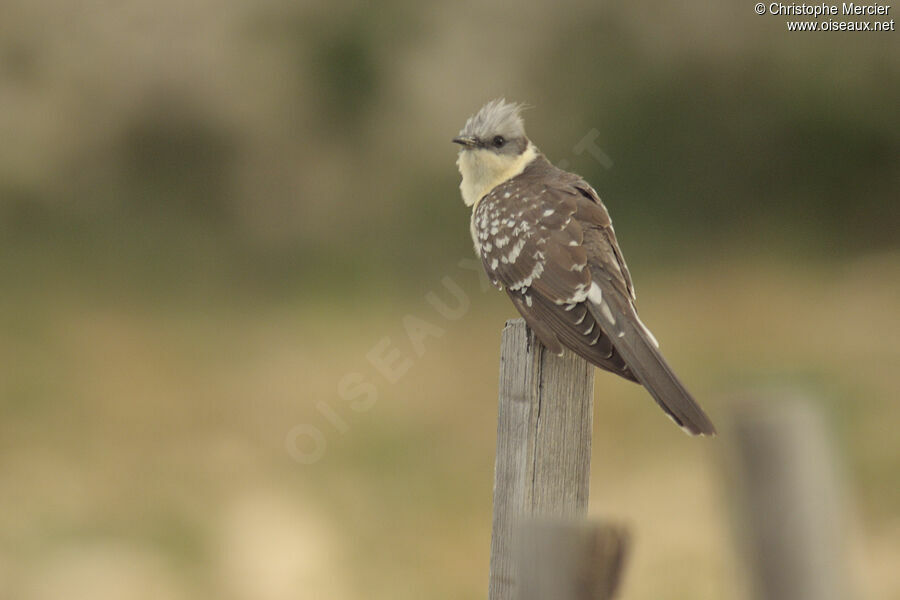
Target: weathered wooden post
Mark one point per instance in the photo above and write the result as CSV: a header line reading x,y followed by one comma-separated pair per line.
x,y
570,560
789,501
543,460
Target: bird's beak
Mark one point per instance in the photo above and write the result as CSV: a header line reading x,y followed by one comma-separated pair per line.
x,y
465,141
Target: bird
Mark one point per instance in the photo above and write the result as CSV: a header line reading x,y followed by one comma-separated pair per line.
x,y
544,236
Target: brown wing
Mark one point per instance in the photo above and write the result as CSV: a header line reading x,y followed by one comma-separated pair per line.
x,y
531,241
601,243
546,237
612,302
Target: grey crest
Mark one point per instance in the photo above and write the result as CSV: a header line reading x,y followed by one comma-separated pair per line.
x,y
497,118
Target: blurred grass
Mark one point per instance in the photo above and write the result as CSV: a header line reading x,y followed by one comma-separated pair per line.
x,y
156,424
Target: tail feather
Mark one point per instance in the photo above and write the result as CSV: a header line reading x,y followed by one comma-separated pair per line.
x,y
639,349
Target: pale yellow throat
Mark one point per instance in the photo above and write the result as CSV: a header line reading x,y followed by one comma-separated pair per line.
x,y
482,170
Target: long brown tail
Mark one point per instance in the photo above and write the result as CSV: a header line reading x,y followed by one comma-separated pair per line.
x,y
637,347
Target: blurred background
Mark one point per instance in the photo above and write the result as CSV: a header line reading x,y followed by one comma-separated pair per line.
x,y
219,221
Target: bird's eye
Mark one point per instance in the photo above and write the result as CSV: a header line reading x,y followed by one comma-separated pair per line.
x,y
499,141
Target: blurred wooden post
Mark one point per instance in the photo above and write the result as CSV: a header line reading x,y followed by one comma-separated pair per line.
x,y
543,458
562,560
790,514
